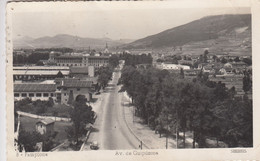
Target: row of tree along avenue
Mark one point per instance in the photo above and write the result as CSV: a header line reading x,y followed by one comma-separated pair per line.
x,y
171,104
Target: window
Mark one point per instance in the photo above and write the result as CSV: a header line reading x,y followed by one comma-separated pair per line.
x,y
16,95
52,94
24,94
65,94
78,89
31,94
45,94
38,94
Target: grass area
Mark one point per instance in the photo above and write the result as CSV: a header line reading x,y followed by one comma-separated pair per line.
x,y
61,110
58,110
29,124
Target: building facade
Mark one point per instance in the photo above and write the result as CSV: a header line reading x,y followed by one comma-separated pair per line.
x,y
81,60
45,126
63,91
34,91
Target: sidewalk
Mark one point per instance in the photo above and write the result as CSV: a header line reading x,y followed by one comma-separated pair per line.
x,y
145,133
142,131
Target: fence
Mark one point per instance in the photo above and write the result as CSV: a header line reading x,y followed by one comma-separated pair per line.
x,y
43,117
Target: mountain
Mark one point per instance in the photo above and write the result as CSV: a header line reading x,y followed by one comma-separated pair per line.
x,y
64,40
207,28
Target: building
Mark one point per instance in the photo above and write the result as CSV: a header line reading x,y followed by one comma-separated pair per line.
x,y
97,61
82,72
62,90
38,75
81,60
186,62
42,68
34,91
45,126
174,66
69,88
31,73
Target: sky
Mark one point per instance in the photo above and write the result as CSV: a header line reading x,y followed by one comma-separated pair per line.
x,y
120,22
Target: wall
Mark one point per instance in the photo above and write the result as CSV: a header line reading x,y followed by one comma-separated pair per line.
x,y
42,98
41,128
65,94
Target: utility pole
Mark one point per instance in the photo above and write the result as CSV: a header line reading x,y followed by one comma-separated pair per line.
x,y
176,129
141,145
167,132
133,114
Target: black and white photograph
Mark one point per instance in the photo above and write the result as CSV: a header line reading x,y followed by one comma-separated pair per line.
x,y
131,77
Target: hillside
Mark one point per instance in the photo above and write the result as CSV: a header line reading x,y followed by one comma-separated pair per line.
x,y
204,29
65,41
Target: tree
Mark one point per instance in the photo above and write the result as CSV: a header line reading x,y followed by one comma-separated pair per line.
x,y
205,56
182,73
71,98
247,82
28,140
237,59
50,102
248,61
114,61
223,61
81,115
215,58
104,75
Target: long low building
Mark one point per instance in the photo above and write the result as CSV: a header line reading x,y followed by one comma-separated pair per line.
x,y
80,60
38,74
174,66
38,68
62,90
34,91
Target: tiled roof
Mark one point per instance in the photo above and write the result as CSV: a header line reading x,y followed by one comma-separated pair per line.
x,y
98,57
38,72
32,87
41,68
79,70
69,57
46,121
75,83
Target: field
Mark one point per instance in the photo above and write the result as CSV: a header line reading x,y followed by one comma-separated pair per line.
x,y
28,124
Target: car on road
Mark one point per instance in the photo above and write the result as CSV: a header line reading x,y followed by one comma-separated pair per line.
x,y
97,93
94,145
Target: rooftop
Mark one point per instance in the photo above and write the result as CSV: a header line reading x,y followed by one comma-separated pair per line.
x,y
39,72
74,83
79,70
32,87
41,68
46,121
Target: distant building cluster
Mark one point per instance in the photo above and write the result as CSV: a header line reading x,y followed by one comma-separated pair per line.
x,y
79,59
69,75
223,68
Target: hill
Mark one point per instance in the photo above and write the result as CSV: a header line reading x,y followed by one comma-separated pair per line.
x,y
64,40
204,29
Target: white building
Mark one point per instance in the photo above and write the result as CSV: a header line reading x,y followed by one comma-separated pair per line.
x,y
174,66
34,91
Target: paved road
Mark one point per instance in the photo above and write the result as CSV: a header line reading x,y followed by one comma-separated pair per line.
x,y
110,129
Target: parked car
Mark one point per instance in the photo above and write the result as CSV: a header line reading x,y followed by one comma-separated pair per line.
x,y
94,145
97,93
